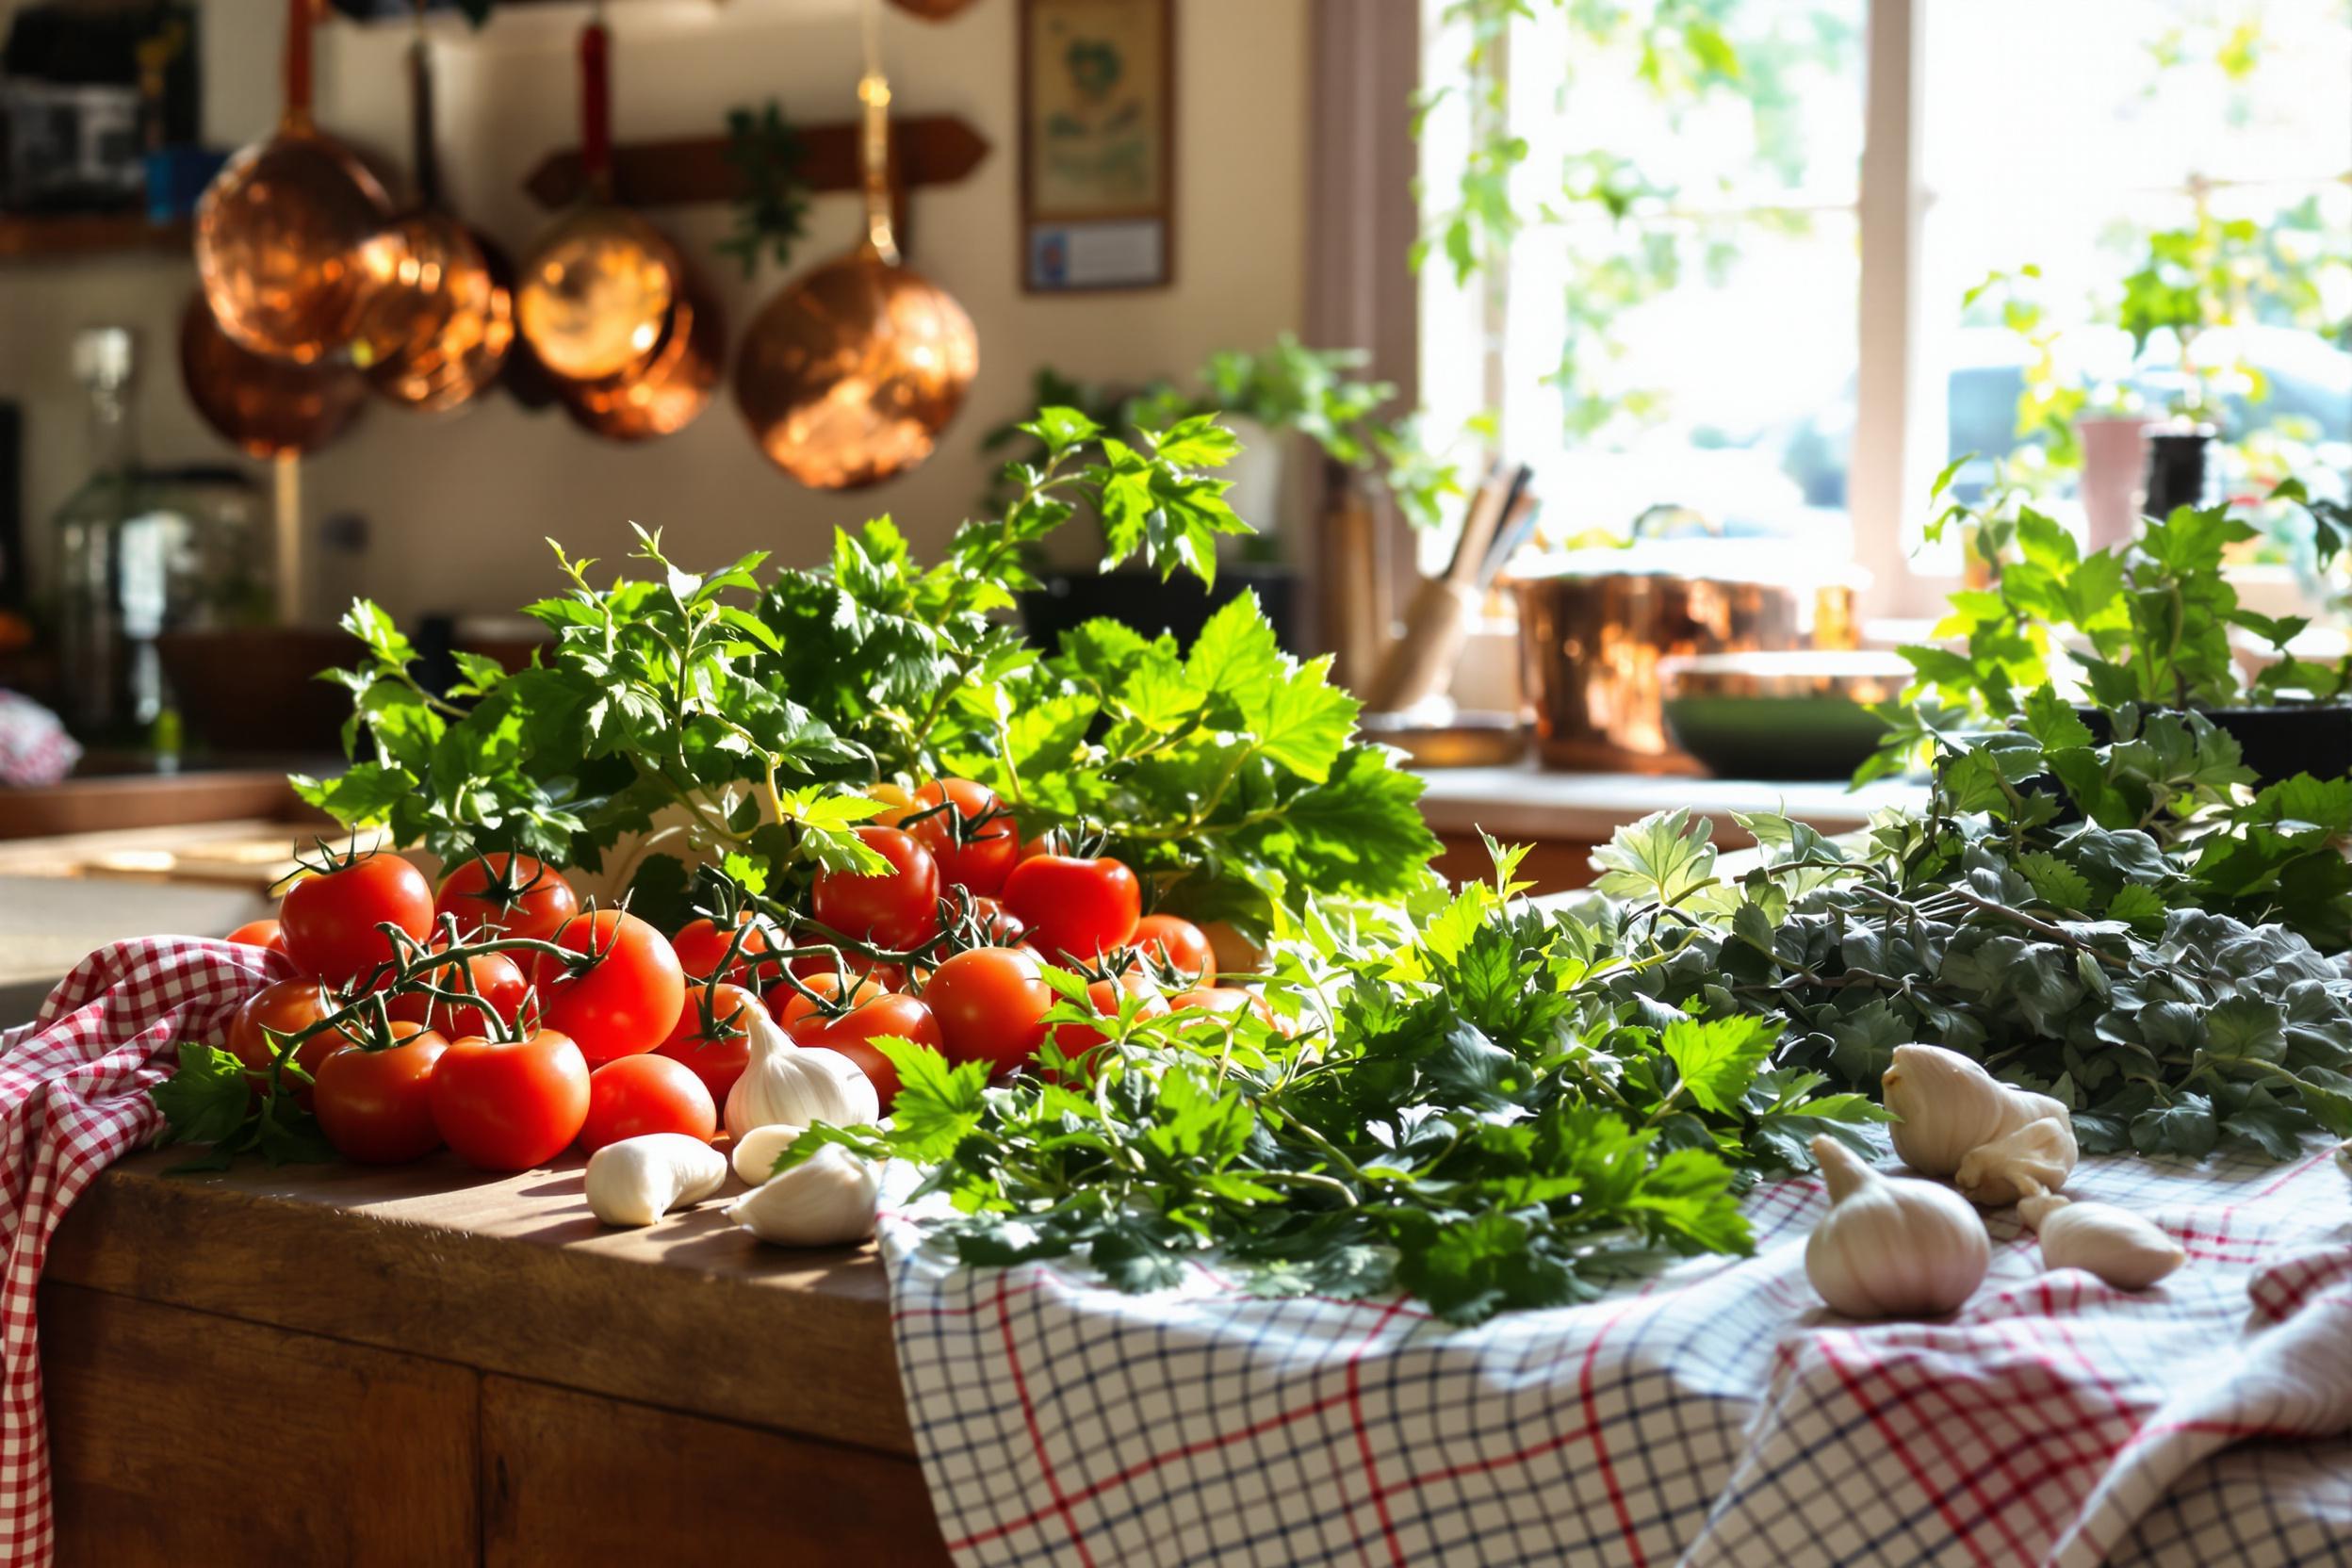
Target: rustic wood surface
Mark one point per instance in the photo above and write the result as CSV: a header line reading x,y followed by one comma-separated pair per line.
x,y
510,1275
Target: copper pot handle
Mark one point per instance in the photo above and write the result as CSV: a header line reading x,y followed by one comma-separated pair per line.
x,y
596,109
297,115
873,92
420,117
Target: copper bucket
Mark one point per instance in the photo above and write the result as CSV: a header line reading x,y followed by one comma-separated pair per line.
x,y
1591,645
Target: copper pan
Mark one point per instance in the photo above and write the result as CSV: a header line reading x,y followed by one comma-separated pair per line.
x,y
438,322
667,394
596,288
267,407
848,377
279,229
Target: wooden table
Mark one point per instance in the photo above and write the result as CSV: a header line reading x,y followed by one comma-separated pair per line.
x,y
426,1365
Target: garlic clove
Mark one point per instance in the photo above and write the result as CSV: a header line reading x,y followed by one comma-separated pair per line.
x,y
2121,1248
825,1200
1891,1247
2036,1158
756,1151
1946,1104
637,1181
783,1082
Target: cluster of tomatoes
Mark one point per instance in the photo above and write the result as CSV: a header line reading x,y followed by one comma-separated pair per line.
x,y
498,1016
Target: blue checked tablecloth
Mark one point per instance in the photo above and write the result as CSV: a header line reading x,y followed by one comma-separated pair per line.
x,y
1717,1414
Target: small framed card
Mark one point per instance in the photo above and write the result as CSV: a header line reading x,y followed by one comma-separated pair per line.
x,y
1097,144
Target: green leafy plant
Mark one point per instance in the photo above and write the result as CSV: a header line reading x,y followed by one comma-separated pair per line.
x,y
1290,389
772,216
732,717
1465,1113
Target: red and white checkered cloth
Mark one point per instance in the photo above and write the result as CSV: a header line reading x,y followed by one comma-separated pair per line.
x,y
73,1101
1718,1415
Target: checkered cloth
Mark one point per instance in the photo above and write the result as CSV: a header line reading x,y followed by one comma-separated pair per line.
x,y
1718,1415
73,1101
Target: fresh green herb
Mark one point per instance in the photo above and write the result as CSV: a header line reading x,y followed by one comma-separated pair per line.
x,y
772,215
1465,1115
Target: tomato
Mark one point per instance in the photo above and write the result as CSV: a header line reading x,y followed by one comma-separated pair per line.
x,y
1102,996
897,800
990,1006
790,1006
719,1052
891,977
492,976
376,1106
1223,999
701,947
971,854
628,1000
520,895
510,1105
260,933
1004,927
1177,943
853,1032
1074,906
330,919
896,908
646,1094
285,1008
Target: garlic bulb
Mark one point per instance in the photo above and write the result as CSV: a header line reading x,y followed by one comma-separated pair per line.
x,y
637,1181
2036,1158
756,1151
1949,1104
2119,1246
825,1200
1891,1247
782,1083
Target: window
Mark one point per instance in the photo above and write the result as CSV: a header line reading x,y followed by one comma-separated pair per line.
x,y
2143,203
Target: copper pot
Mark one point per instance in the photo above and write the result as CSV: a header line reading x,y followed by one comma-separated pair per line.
x,y
664,396
848,377
596,289
1591,641
267,407
279,229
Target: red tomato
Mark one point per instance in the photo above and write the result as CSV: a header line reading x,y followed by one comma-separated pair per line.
x,y
1223,999
971,854
493,976
329,920
376,1106
852,1034
646,1094
1102,996
510,1105
1178,943
1003,926
285,1008
628,1000
897,801
790,1006
717,1053
897,909
1073,906
891,977
260,933
990,1006
701,947
521,896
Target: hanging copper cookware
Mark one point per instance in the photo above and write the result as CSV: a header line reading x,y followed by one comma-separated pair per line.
x,y
279,229
438,321
666,394
595,291
848,376
267,407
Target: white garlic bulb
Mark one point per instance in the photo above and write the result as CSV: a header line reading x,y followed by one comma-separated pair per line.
x,y
1949,1104
1891,1247
756,1151
2121,1248
637,1181
825,1200
782,1083
2036,1158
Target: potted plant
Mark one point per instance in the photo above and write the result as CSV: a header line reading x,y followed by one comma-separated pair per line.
x,y
1269,399
2146,625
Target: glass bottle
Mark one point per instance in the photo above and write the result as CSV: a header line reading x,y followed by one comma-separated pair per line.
x,y
141,554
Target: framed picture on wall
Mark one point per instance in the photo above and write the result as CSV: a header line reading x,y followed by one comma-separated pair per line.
x,y
1098,178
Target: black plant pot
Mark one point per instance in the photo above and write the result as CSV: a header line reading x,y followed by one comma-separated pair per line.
x,y
1140,599
2276,742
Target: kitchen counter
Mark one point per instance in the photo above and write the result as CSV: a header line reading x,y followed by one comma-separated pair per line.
x,y
443,1366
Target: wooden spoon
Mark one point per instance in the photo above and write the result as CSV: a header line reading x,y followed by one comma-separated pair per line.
x,y
279,229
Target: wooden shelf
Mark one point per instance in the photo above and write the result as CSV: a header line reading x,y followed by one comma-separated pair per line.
x,y
39,236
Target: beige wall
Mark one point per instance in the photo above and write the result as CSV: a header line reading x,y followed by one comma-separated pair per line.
x,y
459,506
